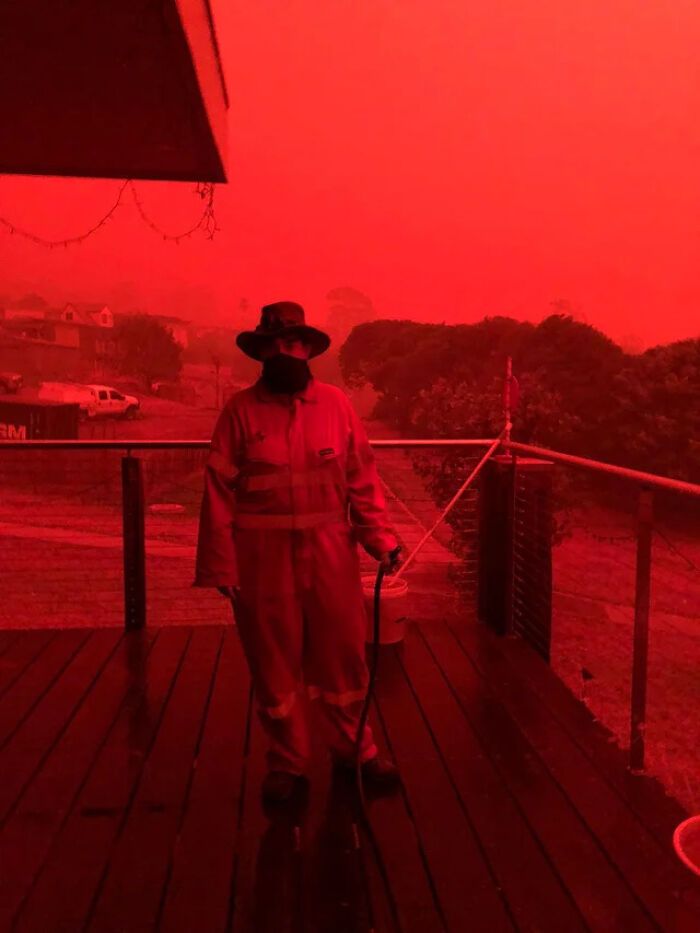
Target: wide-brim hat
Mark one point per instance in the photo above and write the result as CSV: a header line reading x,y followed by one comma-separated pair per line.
x,y
282,319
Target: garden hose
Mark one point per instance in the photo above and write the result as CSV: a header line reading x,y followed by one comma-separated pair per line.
x,y
364,815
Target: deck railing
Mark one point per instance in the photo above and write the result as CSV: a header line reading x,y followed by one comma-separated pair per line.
x,y
646,485
154,486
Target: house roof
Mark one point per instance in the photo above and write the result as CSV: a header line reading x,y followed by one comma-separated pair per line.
x,y
85,307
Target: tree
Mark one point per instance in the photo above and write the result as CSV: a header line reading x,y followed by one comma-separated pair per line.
x,y
32,302
147,349
347,308
653,414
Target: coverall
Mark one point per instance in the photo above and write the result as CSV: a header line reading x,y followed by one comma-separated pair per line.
x,y
291,488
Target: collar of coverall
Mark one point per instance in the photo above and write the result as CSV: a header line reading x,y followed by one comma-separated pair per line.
x,y
308,394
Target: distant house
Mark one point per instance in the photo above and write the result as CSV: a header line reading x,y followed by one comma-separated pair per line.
x,y
94,344
39,359
97,315
93,315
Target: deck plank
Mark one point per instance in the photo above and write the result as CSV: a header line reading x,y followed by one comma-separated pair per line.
x,y
7,637
21,650
266,892
33,739
651,872
26,837
535,893
343,889
646,796
200,880
61,896
465,886
133,885
28,689
600,893
400,845
134,767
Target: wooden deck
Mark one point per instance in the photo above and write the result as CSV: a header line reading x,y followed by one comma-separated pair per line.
x,y
129,798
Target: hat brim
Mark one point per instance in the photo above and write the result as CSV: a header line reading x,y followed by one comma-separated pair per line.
x,y
253,342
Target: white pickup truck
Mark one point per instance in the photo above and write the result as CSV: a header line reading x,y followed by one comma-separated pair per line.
x,y
95,400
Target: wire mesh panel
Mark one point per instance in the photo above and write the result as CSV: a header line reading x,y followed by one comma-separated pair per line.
x,y
60,538
515,546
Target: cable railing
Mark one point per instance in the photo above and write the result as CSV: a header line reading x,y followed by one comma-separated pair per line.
x,y
103,532
621,564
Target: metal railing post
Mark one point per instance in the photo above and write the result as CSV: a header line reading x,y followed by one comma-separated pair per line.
x,y
642,598
134,543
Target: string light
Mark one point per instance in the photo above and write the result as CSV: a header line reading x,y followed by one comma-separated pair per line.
x,y
206,223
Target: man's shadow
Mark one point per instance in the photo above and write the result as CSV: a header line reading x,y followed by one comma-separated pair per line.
x,y
311,879
278,885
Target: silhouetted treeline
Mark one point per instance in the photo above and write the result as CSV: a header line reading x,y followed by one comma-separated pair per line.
x,y
580,392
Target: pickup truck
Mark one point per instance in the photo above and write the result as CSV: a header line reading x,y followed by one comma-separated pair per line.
x,y
95,401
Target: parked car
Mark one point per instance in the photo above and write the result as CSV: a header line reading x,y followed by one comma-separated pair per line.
x,y
111,401
10,383
94,400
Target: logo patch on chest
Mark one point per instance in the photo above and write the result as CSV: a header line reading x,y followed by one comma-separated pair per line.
x,y
259,436
327,452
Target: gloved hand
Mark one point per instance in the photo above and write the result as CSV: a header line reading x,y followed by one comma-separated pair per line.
x,y
391,560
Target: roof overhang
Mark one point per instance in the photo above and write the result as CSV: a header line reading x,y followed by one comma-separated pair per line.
x,y
97,88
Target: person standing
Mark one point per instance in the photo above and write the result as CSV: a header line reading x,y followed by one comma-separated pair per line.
x,y
291,488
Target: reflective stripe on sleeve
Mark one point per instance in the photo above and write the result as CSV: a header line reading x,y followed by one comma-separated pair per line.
x,y
282,710
221,465
287,522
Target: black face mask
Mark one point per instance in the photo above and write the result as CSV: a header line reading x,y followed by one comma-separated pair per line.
x,y
286,374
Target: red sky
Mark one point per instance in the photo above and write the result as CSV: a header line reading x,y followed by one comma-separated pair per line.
x,y
452,159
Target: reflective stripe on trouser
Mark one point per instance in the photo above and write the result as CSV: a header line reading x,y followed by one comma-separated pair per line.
x,y
301,619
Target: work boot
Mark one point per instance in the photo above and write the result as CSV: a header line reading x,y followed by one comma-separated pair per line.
x,y
377,773
280,786
380,773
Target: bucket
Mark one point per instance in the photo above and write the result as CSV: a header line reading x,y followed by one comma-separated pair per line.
x,y
392,608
